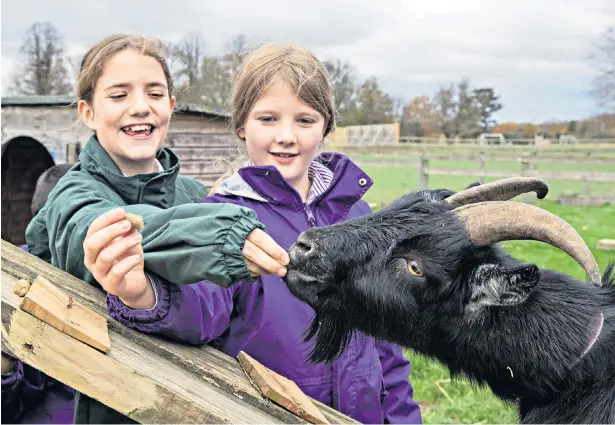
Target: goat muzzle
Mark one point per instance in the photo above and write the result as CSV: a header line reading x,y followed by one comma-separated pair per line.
x,y
496,221
500,190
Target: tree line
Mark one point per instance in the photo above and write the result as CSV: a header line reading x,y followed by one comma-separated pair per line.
x,y
204,78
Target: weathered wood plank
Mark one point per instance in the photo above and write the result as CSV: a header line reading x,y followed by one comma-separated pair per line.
x,y
80,366
129,379
281,390
48,303
203,372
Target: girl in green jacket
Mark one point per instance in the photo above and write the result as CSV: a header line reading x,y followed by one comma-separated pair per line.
x,y
125,95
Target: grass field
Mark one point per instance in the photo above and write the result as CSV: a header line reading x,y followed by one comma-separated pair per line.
x,y
393,181
458,402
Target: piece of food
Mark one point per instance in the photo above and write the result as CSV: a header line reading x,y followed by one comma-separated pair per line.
x,y
21,287
135,220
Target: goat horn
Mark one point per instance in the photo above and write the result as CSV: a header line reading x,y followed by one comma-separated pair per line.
x,y
500,190
492,222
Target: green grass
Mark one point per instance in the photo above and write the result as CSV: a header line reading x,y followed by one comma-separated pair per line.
x,y
580,151
473,165
390,182
459,402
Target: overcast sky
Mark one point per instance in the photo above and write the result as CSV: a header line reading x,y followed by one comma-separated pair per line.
x,y
535,53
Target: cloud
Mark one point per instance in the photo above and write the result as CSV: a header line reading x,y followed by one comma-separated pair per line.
x,y
535,53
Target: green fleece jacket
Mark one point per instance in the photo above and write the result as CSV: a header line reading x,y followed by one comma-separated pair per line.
x,y
184,241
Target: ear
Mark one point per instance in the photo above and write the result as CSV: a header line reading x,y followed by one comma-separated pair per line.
x,y
241,133
86,113
497,286
173,101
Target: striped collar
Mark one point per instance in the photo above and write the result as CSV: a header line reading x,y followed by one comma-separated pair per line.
x,y
320,176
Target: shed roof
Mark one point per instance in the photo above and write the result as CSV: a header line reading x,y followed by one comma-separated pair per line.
x,y
53,100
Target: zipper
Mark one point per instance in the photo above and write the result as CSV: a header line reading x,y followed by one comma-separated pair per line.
x,y
310,217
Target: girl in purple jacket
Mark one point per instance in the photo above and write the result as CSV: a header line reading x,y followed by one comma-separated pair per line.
x,y
282,110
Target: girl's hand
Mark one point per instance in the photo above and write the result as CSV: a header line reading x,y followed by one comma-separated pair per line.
x,y
114,255
263,255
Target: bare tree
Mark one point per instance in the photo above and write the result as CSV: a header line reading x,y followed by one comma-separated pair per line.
x,y
204,78
220,72
187,57
42,70
341,76
604,83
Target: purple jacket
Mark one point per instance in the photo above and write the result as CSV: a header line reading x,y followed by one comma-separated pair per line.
x,y
31,397
369,382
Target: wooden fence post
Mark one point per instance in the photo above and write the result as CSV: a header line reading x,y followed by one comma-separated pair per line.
x,y
424,173
481,166
586,180
525,164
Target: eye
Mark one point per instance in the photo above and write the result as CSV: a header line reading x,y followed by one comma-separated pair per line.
x,y
157,95
118,96
267,118
306,121
415,269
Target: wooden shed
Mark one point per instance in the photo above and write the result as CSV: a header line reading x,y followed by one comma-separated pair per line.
x,y
40,131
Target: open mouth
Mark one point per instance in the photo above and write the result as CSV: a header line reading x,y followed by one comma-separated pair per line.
x,y
142,130
284,155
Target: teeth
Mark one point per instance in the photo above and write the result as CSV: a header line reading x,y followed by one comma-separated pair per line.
x,y
142,127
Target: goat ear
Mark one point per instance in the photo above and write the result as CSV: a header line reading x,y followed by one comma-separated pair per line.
x,y
499,287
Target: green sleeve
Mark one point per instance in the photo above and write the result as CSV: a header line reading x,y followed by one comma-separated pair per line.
x,y
183,244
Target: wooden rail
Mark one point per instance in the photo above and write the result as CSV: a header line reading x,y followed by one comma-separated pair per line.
x,y
149,379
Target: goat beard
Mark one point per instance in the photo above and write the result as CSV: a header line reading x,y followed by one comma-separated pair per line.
x,y
333,334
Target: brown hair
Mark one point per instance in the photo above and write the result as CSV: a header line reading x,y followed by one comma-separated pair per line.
x,y
271,63
94,60
289,63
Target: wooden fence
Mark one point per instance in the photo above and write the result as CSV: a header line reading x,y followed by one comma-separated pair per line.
x,y
527,168
147,378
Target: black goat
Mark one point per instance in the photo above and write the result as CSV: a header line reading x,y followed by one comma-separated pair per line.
x,y
425,273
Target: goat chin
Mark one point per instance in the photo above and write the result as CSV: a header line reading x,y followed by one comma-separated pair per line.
x,y
332,336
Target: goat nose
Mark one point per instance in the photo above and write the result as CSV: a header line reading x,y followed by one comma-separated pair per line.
x,y
303,249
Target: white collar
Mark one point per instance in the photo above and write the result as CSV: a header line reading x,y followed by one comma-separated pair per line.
x,y
159,167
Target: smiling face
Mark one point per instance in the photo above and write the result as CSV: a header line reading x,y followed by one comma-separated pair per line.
x,y
283,131
130,110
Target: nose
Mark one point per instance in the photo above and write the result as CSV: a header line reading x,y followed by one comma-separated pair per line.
x,y
139,107
303,249
286,135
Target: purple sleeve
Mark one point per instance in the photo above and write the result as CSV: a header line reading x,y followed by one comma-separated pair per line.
x,y
194,313
21,390
398,404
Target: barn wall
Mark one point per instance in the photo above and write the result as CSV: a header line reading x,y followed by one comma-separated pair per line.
x,y
198,140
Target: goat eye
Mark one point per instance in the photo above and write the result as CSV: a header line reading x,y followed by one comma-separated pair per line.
x,y
414,269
